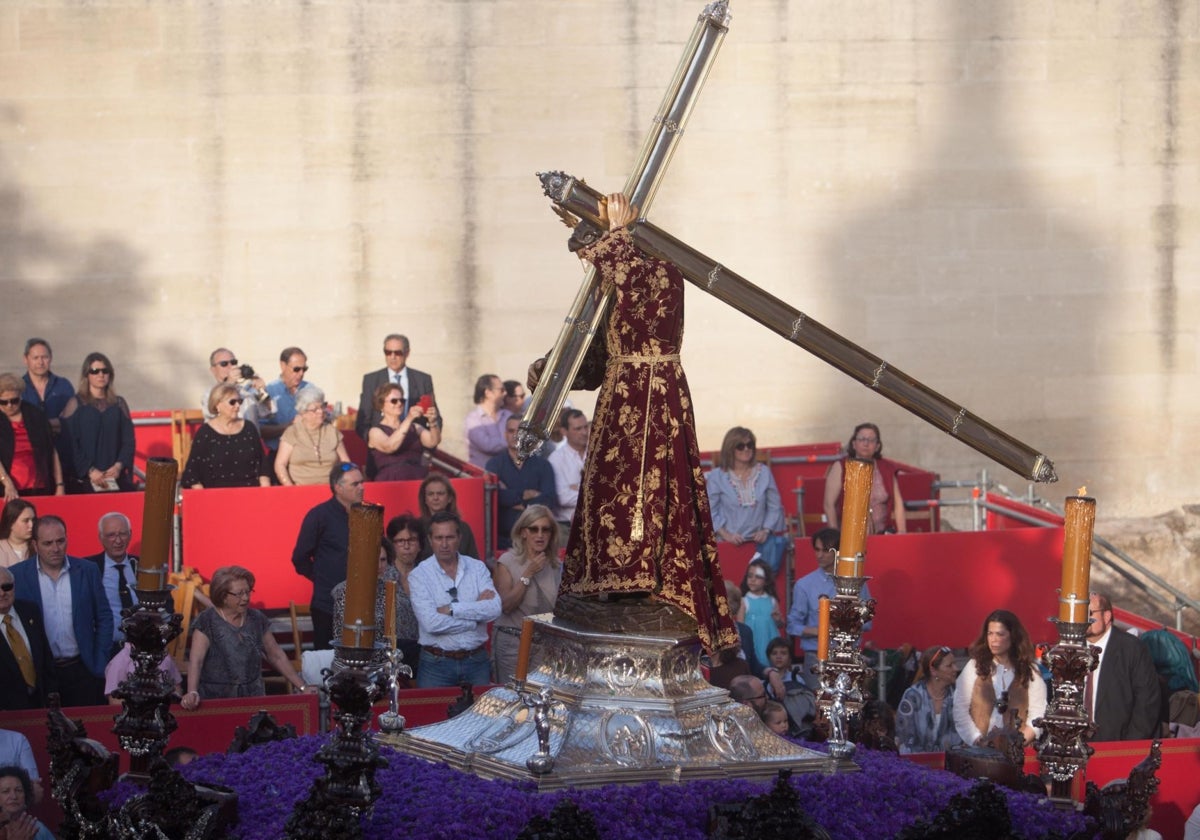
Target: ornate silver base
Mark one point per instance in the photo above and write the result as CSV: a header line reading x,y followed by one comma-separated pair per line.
x,y
626,708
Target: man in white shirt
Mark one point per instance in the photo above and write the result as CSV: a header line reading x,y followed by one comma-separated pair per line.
x,y
567,461
1123,690
454,599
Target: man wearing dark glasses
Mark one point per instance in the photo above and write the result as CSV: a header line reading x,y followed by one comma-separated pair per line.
x,y
414,384
293,365
454,599
26,664
224,366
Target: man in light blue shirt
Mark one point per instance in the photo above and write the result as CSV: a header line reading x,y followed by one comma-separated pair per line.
x,y
454,599
806,599
118,570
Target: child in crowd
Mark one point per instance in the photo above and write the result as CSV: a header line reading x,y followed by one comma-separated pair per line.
x,y
775,717
785,684
760,608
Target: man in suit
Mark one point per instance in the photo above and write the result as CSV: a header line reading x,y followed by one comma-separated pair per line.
x,y
1123,691
118,570
26,664
78,620
414,383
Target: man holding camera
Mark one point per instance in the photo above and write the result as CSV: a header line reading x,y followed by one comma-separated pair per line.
x,y
414,384
225,368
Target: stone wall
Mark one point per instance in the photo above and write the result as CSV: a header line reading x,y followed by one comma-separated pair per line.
x,y
998,197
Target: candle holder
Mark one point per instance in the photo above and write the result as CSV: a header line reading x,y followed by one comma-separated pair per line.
x,y
540,703
337,801
1063,750
145,722
845,676
392,721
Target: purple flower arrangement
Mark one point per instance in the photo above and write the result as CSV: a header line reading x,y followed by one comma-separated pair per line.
x,y
436,803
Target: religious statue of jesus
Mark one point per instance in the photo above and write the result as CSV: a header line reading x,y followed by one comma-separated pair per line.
x,y
642,523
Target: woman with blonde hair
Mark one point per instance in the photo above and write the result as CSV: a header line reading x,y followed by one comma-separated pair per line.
x,y
227,450
527,577
101,429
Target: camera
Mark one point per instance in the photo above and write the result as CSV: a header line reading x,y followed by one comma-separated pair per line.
x,y
248,389
247,371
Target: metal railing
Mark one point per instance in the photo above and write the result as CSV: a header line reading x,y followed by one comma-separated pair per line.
x,y
1150,584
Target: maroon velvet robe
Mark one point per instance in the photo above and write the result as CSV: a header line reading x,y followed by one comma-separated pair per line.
x,y
642,523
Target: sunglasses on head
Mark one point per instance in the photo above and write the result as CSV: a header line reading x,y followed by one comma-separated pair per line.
x,y
941,654
227,362
7,587
98,371
13,401
299,368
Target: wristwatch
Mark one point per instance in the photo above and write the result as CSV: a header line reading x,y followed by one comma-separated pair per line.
x,y
526,581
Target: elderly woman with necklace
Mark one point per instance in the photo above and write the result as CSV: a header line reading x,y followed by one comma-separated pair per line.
x,y
1000,687
227,451
925,718
398,443
311,445
229,643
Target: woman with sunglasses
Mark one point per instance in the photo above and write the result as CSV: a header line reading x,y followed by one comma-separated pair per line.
x,y
101,429
229,643
227,450
311,445
397,444
1000,688
745,501
925,717
886,503
29,464
527,577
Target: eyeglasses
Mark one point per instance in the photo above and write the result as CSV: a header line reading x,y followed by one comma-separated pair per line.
x,y
227,362
405,540
240,595
99,371
395,352
743,445
866,440
538,529
299,368
453,593
314,408
395,400
13,401
7,587
234,401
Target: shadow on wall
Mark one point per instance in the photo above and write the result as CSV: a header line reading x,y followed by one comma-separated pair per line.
x,y
80,296
966,277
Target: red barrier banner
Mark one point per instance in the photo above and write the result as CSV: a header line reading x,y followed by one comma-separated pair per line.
x,y
256,527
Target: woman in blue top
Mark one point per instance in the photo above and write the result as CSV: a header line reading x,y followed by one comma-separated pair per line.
x,y
746,506
925,719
